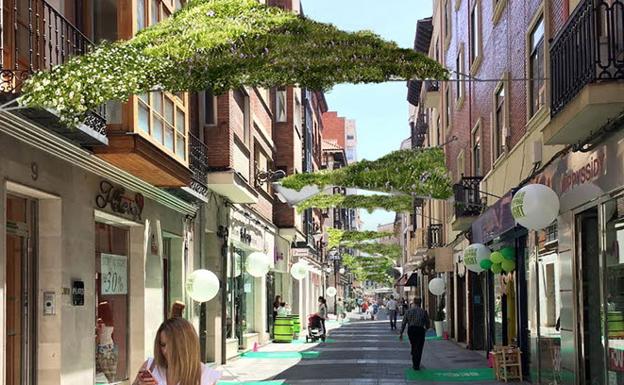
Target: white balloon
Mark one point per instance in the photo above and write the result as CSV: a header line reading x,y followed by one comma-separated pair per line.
x,y
474,254
342,270
202,285
535,206
331,291
299,270
257,264
437,286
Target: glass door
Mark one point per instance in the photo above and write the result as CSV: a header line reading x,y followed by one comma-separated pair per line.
x,y
20,292
589,302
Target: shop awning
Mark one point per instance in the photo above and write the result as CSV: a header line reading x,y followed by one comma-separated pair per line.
x,y
412,280
402,280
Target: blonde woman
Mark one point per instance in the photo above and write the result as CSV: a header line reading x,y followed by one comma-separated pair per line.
x,y
176,358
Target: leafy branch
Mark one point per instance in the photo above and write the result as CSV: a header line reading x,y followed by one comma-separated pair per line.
x,y
397,203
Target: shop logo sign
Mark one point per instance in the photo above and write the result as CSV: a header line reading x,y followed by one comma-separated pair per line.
x,y
119,201
470,256
517,205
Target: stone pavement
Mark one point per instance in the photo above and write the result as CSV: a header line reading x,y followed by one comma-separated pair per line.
x,y
361,352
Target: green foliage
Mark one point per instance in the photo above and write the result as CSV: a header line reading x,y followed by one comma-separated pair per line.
x,y
337,237
375,269
421,172
391,251
398,203
221,45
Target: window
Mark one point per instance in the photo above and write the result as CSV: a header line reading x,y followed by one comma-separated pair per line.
x,y
163,117
475,33
500,119
448,14
459,76
460,166
241,98
141,15
111,297
438,125
350,137
476,152
447,101
280,105
536,67
210,109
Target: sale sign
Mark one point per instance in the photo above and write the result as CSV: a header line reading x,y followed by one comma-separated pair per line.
x,y
114,270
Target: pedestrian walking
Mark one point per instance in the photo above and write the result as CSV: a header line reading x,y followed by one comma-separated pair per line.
x,y
416,320
340,310
392,307
322,313
176,358
276,305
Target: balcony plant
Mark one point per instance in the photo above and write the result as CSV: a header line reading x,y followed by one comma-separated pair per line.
x,y
221,45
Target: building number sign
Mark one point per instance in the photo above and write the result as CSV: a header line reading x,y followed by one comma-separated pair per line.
x,y
114,274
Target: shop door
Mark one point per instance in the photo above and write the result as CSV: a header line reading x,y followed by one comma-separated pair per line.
x,y
591,353
478,312
20,289
461,309
270,289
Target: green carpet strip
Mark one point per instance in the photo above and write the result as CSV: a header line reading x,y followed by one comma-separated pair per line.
x,y
283,355
455,375
251,383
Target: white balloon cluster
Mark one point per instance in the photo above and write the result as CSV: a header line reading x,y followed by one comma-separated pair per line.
x,y
202,285
299,270
258,264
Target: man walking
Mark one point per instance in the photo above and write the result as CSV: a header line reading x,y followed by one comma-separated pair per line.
x,y
392,307
417,321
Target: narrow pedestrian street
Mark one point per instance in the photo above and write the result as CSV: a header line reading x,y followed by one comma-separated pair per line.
x,y
358,352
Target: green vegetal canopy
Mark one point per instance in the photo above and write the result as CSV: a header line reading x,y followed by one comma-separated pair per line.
x,y
221,45
338,237
398,203
421,172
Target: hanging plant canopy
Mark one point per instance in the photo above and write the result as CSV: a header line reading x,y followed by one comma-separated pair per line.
x,y
337,236
391,251
221,45
397,203
421,172
375,269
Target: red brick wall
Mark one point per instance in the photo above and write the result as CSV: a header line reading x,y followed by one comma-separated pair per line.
x,y
503,50
334,127
284,138
218,139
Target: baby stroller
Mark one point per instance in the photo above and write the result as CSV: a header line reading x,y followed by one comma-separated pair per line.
x,y
315,329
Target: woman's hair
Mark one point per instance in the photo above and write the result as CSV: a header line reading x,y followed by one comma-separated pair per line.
x,y
183,347
282,303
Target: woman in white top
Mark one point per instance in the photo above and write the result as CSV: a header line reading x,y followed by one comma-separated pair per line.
x,y
176,358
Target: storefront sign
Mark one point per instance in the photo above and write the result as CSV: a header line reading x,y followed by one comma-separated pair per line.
x,y
616,359
119,201
114,270
300,252
495,221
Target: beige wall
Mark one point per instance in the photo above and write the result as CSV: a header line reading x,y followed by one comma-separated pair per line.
x,y
66,249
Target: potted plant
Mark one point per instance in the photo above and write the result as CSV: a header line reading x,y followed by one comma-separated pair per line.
x,y
439,318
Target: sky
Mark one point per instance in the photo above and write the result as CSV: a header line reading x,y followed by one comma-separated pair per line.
x,y
380,110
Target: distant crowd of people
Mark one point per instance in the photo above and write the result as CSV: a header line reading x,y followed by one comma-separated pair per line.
x,y
395,307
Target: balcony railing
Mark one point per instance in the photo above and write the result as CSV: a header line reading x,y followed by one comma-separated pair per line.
x,y
435,236
589,49
467,197
37,37
419,131
198,163
432,85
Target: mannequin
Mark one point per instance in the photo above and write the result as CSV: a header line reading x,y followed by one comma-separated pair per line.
x,y
107,353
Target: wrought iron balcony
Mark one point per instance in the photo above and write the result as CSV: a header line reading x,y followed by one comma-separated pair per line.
x,y
198,163
435,236
432,85
467,197
37,37
589,49
419,131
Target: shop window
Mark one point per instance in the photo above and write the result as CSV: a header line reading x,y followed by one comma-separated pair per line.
x,y
111,285
614,218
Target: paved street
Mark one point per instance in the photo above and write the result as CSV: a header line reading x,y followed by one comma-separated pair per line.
x,y
358,352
